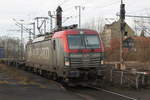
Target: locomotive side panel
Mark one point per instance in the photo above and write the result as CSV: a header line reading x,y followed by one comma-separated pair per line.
x,y
59,56
40,55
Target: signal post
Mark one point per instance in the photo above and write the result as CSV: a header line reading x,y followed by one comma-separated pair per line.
x,y
122,30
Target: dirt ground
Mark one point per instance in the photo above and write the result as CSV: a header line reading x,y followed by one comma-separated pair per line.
x,y
17,84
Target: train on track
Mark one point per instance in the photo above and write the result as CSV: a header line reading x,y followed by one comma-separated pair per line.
x,y
67,54
72,55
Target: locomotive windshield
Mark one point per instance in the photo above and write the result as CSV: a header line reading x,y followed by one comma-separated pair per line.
x,y
82,41
91,41
75,42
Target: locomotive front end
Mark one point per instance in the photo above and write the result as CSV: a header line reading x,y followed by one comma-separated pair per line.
x,y
84,55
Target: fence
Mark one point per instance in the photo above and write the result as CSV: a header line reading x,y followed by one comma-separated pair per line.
x,y
128,78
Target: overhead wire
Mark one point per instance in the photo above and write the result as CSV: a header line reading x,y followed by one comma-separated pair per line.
x,y
87,7
65,1
107,5
136,11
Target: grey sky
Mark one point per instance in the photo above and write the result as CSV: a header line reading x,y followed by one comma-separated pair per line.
x,y
29,9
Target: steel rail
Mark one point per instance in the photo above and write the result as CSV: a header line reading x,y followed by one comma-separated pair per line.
x,y
115,93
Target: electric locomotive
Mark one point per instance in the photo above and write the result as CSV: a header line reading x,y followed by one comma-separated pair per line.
x,y
71,55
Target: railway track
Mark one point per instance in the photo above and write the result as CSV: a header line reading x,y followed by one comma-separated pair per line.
x,y
88,97
95,93
114,93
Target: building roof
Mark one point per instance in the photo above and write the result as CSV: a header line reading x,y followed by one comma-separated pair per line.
x,y
115,22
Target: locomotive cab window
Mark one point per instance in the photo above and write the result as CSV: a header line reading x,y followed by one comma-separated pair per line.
x,y
92,41
75,42
82,41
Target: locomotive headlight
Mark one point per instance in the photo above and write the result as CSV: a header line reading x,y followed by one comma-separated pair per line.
x,y
67,63
102,61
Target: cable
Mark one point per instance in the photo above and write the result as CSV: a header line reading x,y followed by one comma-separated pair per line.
x,y
110,4
107,5
138,10
65,1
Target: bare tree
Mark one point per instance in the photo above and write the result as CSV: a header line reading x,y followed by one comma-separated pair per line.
x,y
11,46
142,25
96,24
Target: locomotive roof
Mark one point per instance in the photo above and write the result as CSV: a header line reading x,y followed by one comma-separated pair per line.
x,y
38,39
74,31
65,32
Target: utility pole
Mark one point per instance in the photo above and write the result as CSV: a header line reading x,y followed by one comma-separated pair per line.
x,y
33,33
51,19
23,28
122,30
79,8
30,34
21,53
21,31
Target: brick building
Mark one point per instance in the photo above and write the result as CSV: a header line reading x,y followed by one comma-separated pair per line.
x,y
112,31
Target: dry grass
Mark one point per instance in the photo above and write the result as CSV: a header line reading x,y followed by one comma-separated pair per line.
x,y
17,75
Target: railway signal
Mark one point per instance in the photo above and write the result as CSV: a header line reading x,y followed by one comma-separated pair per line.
x,y
59,18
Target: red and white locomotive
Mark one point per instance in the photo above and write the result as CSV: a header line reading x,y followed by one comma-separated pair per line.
x,y
72,55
